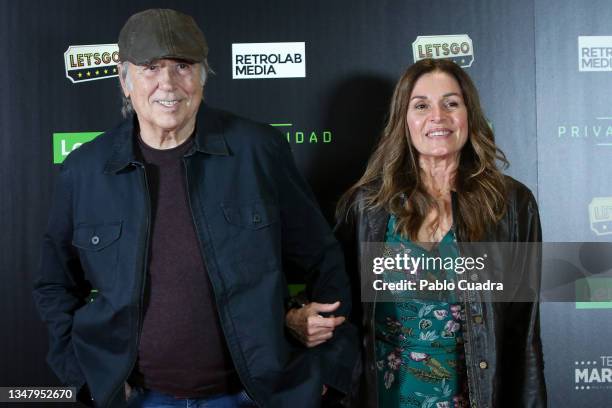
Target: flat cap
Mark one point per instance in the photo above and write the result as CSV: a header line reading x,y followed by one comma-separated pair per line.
x,y
161,33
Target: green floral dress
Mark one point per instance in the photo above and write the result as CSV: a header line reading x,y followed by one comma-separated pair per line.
x,y
419,345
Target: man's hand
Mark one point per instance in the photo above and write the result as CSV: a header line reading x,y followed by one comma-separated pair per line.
x,y
309,327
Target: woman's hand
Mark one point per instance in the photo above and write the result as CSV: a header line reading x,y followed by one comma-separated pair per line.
x,y
309,327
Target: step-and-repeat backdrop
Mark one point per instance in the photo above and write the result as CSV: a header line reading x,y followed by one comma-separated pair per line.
x,y
543,68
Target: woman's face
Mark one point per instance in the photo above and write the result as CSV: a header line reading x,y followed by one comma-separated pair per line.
x,y
437,116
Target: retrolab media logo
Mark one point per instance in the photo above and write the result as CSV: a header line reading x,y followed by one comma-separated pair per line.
x,y
457,48
269,60
595,53
90,62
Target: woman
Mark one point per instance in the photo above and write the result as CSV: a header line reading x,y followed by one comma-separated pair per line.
x,y
433,179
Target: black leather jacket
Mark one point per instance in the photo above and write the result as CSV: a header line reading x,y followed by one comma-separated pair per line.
x,y
503,350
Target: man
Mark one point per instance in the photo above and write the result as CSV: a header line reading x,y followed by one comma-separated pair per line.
x,y
163,265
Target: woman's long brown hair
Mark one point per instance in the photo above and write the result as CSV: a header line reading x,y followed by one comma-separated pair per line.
x,y
393,181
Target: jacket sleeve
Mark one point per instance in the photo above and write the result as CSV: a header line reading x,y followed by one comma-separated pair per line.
x,y
346,234
310,248
59,286
525,381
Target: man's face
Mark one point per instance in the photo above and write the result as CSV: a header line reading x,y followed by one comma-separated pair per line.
x,y
165,94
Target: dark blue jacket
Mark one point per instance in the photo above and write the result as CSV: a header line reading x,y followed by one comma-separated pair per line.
x,y
255,219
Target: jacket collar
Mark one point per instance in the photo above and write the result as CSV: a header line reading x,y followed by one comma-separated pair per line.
x,y
210,128
378,219
209,139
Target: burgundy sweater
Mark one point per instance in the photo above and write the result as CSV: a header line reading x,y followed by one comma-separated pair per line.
x,y
182,349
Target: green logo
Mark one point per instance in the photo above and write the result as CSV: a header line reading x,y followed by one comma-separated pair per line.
x,y
295,288
597,291
303,137
64,143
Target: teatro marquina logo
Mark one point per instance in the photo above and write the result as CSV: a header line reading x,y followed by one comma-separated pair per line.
x,y
600,215
595,374
595,53
269,60
91,62
458,48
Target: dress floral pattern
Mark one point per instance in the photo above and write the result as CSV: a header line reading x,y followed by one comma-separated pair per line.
x,y
419,344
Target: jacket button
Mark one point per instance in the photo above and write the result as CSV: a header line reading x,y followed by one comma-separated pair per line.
x,y
483,365
256,218
478,319
95,240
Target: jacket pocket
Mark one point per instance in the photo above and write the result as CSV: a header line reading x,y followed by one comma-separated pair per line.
x,y
252,231
98,251
254,215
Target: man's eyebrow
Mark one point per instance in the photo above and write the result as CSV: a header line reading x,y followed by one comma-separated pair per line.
x,y
446,95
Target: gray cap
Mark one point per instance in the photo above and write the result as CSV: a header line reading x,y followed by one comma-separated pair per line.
x,y
161,33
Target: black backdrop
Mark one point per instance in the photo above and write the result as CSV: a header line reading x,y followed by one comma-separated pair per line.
x,y
525,66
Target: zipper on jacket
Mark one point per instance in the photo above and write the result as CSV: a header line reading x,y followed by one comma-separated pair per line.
x,y
468,357
466,335
205,261
374,346
467,343
145,258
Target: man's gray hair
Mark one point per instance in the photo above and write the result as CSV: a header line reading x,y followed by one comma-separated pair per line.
x,y
126,107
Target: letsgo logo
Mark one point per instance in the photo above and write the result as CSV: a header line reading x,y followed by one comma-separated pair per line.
x,y
65,143
600,215
595,53
303,136
269,60
593,374
457,48
91,62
